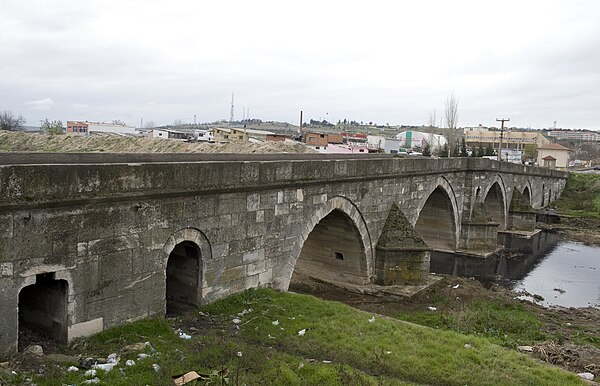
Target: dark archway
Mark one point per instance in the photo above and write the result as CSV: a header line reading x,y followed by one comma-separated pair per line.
x,y
333,252
436,221
494,204
43,311
183,291
527,194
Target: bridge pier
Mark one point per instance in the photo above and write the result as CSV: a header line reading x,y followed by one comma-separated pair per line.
x,y
521,215
401,255
479,236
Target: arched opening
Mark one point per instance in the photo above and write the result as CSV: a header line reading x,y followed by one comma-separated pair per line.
x,y
494,203
333,252
183,291
527,194
43,311
543,195
436,221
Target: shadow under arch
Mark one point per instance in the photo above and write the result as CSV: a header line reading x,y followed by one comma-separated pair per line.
x,y
495,201
334,246
437,219
527,193
182,257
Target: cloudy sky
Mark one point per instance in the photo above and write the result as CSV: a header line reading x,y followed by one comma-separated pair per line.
x,y
534,62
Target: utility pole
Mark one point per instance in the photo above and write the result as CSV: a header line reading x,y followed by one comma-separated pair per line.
x,y
501,135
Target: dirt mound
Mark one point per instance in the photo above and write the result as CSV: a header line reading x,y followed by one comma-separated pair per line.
x,y
25,142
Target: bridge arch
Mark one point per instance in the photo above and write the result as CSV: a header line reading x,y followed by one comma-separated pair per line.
x,y
527,192
333,246
494,199
437,218
182,257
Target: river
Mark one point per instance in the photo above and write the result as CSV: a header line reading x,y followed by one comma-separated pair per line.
x,y
563,273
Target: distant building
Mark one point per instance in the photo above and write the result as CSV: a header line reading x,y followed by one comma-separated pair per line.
x,y
579,135
321,140
510,139
553,156
88,128
204,135
417,139
347,149
277,137
169,134
231,134
387,145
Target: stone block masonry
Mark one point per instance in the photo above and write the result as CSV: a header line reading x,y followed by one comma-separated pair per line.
x,y
106,237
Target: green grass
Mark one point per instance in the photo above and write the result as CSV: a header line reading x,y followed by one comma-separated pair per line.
x,y
386,351
581,196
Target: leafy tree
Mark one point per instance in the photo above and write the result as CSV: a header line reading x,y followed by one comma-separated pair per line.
x,y
8,121
489,150
530,151
443,151
52,127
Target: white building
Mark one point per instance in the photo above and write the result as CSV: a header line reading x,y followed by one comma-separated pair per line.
x,y
168,134
87,128
413,139
205,135
388,145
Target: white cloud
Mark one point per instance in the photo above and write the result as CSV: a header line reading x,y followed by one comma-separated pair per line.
x,y
41,104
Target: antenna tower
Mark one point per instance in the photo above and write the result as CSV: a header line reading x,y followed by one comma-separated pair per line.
x,y
231,113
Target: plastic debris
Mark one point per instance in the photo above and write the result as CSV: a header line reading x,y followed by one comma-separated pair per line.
x,y
183,335
586,376
301,365
468,346
432,308
456,286
249,310
327,362
91,381
525,348
372,319
388,352
105,366
239,354
155,367
236,321
182,379
275,322
72,368
130,362
90,373
142,356
302,332
271,337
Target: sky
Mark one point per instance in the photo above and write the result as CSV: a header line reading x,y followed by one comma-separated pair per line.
x,y
388,62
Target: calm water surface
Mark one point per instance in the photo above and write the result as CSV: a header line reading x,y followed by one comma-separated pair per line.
x,y
564,273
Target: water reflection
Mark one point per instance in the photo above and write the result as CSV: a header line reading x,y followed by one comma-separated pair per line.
x,y
563,273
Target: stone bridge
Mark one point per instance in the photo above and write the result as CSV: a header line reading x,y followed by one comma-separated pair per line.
x,y
90,241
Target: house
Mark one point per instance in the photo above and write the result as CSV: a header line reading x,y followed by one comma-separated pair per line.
x,y
87,128
321,140
222,134
476,137
168,134
204,135
553,156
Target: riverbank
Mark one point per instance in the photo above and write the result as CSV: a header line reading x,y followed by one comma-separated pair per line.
x,y
583,230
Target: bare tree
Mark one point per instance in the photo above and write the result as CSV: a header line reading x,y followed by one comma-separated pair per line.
x,y
432,118
451,116
8,121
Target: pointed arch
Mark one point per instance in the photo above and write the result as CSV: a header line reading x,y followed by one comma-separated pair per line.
x,y
335,217
527,192
437,219
495,201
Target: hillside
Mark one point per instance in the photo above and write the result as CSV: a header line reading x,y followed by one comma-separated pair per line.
x,y
25,142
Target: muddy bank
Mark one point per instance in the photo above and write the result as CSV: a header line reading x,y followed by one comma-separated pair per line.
x,y
584,230
573,335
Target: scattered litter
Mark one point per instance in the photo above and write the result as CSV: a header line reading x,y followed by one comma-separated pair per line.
x,y
35,350
275,322
302,332
456,286
271,337
112,358
372,319
301,365
142,356
130,362
182,379
292,318
569,324
432,308
525,348
135,347
249,310
236,321
327,362
388,352
90,373
239,354
586,376
559,290
90,381
72,368
183,335
202,313
155,367
282,329
105,366
468,346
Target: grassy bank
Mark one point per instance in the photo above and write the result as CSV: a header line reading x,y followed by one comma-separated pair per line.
x,y
253,338
581,196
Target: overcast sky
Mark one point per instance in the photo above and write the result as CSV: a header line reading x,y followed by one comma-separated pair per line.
x,y
534,62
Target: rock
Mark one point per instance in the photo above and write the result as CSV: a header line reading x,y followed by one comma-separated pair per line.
x,y
35,350
72,369
586,376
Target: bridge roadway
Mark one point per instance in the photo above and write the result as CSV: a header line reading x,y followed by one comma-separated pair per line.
x,y
90,241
